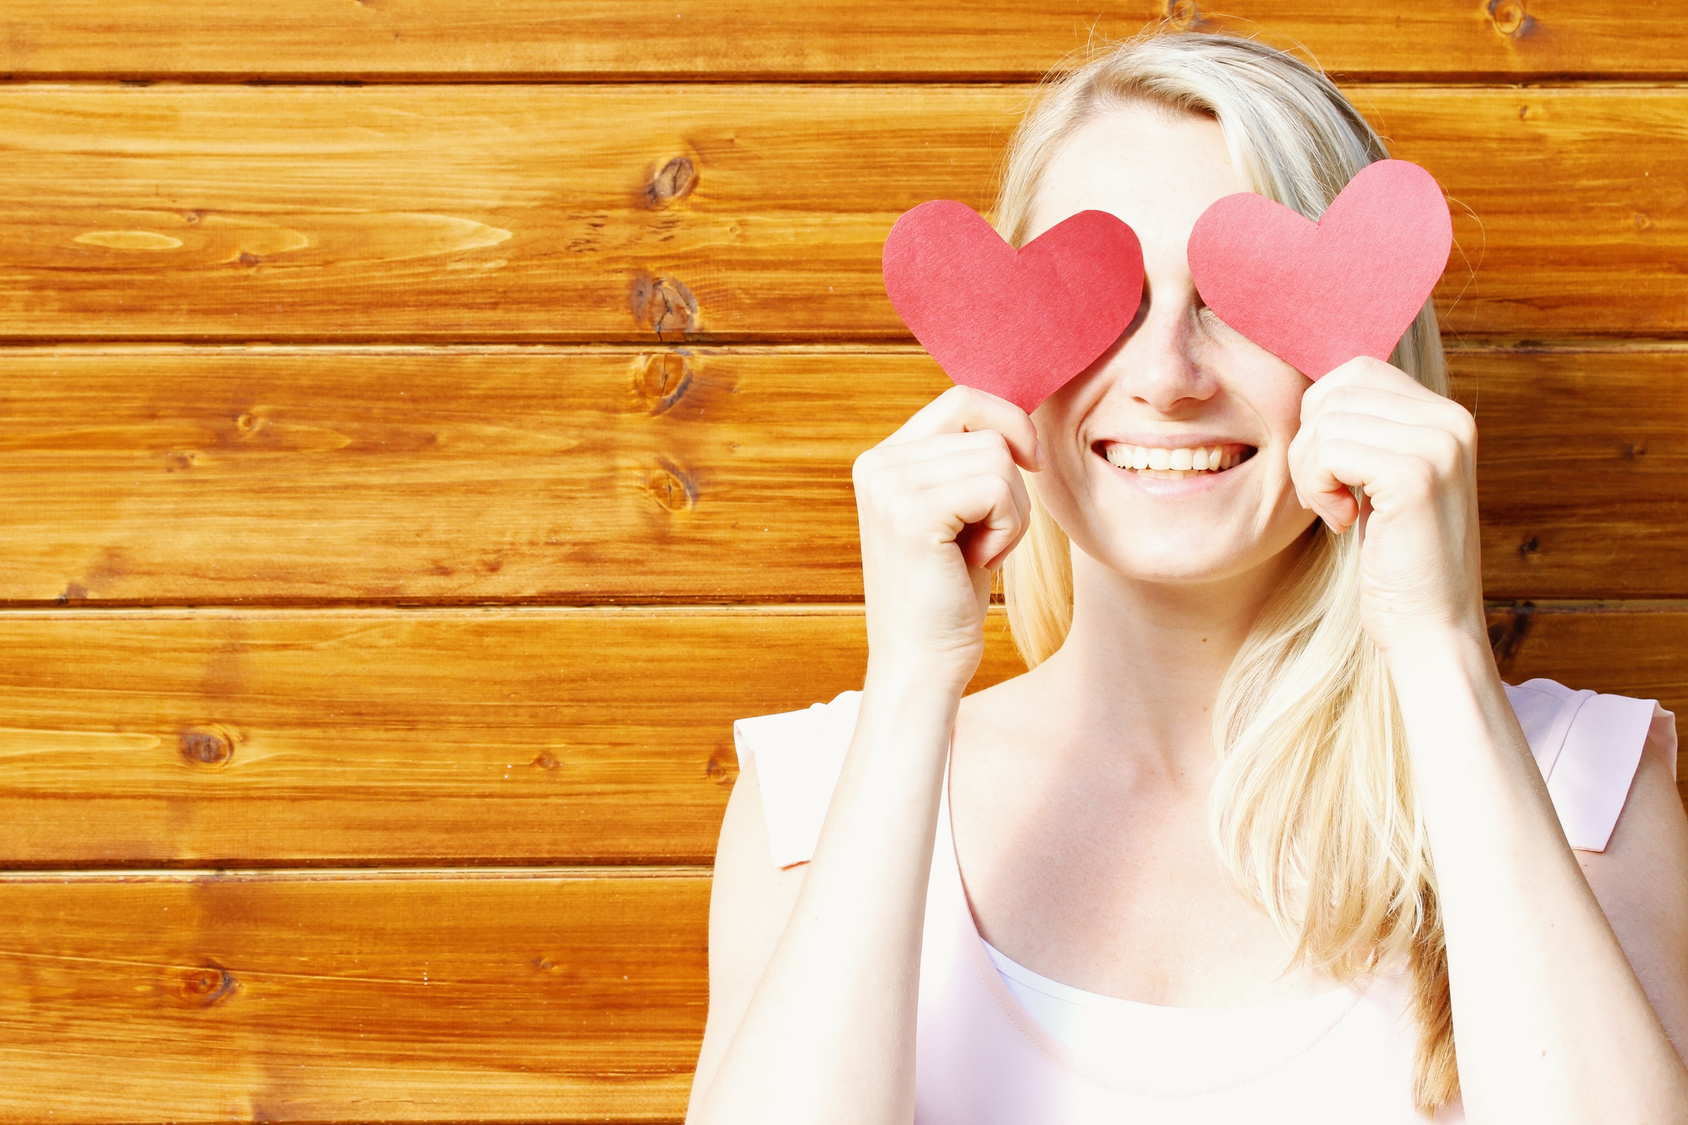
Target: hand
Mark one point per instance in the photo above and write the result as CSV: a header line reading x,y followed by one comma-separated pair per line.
x,y
941,504
1412,455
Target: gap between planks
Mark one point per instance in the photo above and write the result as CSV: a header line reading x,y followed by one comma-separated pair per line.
x,y
353,874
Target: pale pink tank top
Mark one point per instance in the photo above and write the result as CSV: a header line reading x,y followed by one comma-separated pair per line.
x,y
982,1058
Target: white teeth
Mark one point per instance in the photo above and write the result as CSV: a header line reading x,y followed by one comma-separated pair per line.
x,y
1158,460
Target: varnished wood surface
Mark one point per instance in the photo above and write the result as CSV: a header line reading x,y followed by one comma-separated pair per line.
x,y
225,475
213,738
518,996
417,861
832,39
429,736
704,212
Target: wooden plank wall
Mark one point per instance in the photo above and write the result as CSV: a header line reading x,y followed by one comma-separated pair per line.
x,y
426,426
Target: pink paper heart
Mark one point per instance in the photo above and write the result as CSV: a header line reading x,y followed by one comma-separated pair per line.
x,y
1318,294
1016,323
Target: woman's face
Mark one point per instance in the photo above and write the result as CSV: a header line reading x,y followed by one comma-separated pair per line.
x,y
1168,456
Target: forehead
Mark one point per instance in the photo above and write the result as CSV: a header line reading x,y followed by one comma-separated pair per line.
x,y
1157,169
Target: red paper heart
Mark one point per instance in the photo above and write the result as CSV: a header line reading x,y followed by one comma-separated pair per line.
x,y
1016,323
1319,294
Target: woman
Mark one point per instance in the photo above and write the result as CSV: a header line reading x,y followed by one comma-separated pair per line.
x,y
1261,832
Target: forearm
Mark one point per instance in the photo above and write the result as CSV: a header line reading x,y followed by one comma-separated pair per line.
x,y
1550,1022
829,1032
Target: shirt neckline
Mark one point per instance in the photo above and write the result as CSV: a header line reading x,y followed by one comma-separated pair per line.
x,y
1127,1075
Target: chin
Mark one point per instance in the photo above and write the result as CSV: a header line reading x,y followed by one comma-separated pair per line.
x,y
1188,556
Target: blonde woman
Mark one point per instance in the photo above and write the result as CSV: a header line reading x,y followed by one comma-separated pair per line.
x,y
1261,835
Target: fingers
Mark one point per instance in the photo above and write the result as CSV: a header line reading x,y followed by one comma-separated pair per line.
x,y
992,511
1392,461
967,491
1371,426
1365,372
953,471
967,410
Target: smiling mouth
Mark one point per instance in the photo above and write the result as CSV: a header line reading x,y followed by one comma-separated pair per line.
x,y
1174,464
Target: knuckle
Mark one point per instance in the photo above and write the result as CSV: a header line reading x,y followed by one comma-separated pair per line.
x,y
1448,453
1464,425
1421,476
881,485
963,399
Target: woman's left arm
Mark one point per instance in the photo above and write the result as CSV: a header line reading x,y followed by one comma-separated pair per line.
x,y
1563,986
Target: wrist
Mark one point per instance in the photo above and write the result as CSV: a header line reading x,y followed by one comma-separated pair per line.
x,y
899,665
1435,655
907,681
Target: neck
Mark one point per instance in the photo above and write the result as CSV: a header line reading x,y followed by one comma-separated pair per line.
x,y
1141,668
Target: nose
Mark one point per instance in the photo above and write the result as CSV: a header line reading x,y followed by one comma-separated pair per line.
x,y
1158,361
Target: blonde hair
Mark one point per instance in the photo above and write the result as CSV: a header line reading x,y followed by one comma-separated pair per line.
x,y
1313,808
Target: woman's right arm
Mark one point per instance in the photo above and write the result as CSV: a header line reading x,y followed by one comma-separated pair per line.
x,y
814,974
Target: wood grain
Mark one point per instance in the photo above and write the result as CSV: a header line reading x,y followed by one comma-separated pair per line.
x,y
213,738
704,213
427,736
160,475
518,996
937,40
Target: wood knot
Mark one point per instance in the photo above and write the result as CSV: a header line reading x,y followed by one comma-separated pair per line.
x,y
662,380
720,770
673,181
207,747
1641,220
1508,626
1183,15
1528,546
1509,18
205,985
663,304
673,488
547,761
253,422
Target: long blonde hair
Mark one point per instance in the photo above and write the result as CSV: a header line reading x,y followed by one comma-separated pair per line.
x,y
1313,808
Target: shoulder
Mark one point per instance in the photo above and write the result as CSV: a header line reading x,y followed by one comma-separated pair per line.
x,y
797,757
1590,748
1610,765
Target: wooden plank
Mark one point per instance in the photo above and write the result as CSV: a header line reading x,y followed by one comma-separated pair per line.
x,y
473,736
497,996
936,40
703,213
201,738
1582,467
158,475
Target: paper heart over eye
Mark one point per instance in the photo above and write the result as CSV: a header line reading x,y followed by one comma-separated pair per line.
x,y
1319,294
1017,323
